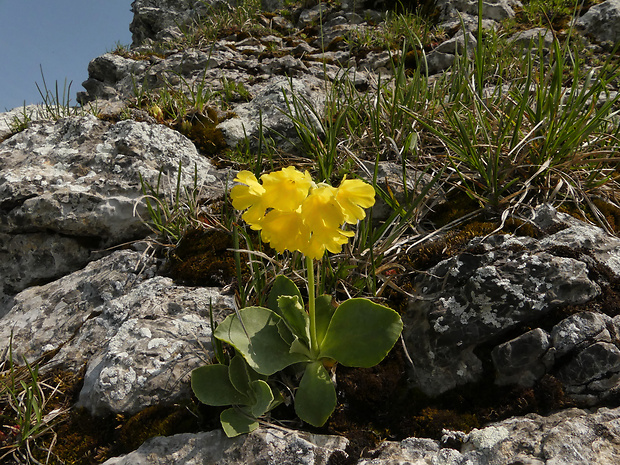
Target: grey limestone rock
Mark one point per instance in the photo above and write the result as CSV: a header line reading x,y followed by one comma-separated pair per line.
x,y
267,446
312,15
591,363
138,334
532,37
569,437
414,451
9,119
443,56
602,21
574,332
502,282
520,360
112,76
149,340
69,188
280,100
494,10
544,439
302,82
45,318
458,44
35,258
160,19
437,62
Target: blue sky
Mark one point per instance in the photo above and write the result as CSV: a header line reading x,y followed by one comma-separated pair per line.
x,y
60,35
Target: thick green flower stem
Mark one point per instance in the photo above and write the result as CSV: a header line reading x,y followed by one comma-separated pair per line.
x,y
314,345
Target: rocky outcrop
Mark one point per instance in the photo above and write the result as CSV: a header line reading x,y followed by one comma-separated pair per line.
x,y
138,334
267,445
271,84
273,110
11,120
533,439
602,21
502,283
493,10
69,190
158,20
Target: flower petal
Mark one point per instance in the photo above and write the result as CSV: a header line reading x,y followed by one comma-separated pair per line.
x,y
354,195
286,189
321,208
249,194
285,231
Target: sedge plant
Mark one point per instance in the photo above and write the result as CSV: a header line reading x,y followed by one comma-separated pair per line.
x,y
295,214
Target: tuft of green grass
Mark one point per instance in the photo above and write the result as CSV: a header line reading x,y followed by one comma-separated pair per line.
x,y
24,409
57,104
172,208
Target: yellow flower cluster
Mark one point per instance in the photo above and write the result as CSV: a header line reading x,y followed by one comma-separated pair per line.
x,y
294,213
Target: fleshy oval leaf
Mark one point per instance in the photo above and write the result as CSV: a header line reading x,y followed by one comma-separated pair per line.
x,y
324,312
212,386
361,333
236,422
241,375
315,399
293,313
264,398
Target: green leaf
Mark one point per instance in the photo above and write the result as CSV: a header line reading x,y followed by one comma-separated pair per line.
x,y
265,351
293,313
212,386
300,347
323,313
285,333
315,399
264,398
235,422
361,333
241,374
282,286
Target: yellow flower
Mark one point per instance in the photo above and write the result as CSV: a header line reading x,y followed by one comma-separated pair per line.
x,y
324,216
321,207
250,195
322,239
353,196
285,231
293,213
286,189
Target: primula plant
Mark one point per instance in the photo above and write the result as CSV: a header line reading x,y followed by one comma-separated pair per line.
x,y
294,213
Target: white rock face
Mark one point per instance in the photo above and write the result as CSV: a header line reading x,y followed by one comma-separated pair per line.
x,y
494,10
266,446
155,336
45,318
138,334
69,188
301,99
162,19
533,440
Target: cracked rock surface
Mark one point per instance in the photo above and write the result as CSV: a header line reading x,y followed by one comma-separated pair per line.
x,y
503,283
